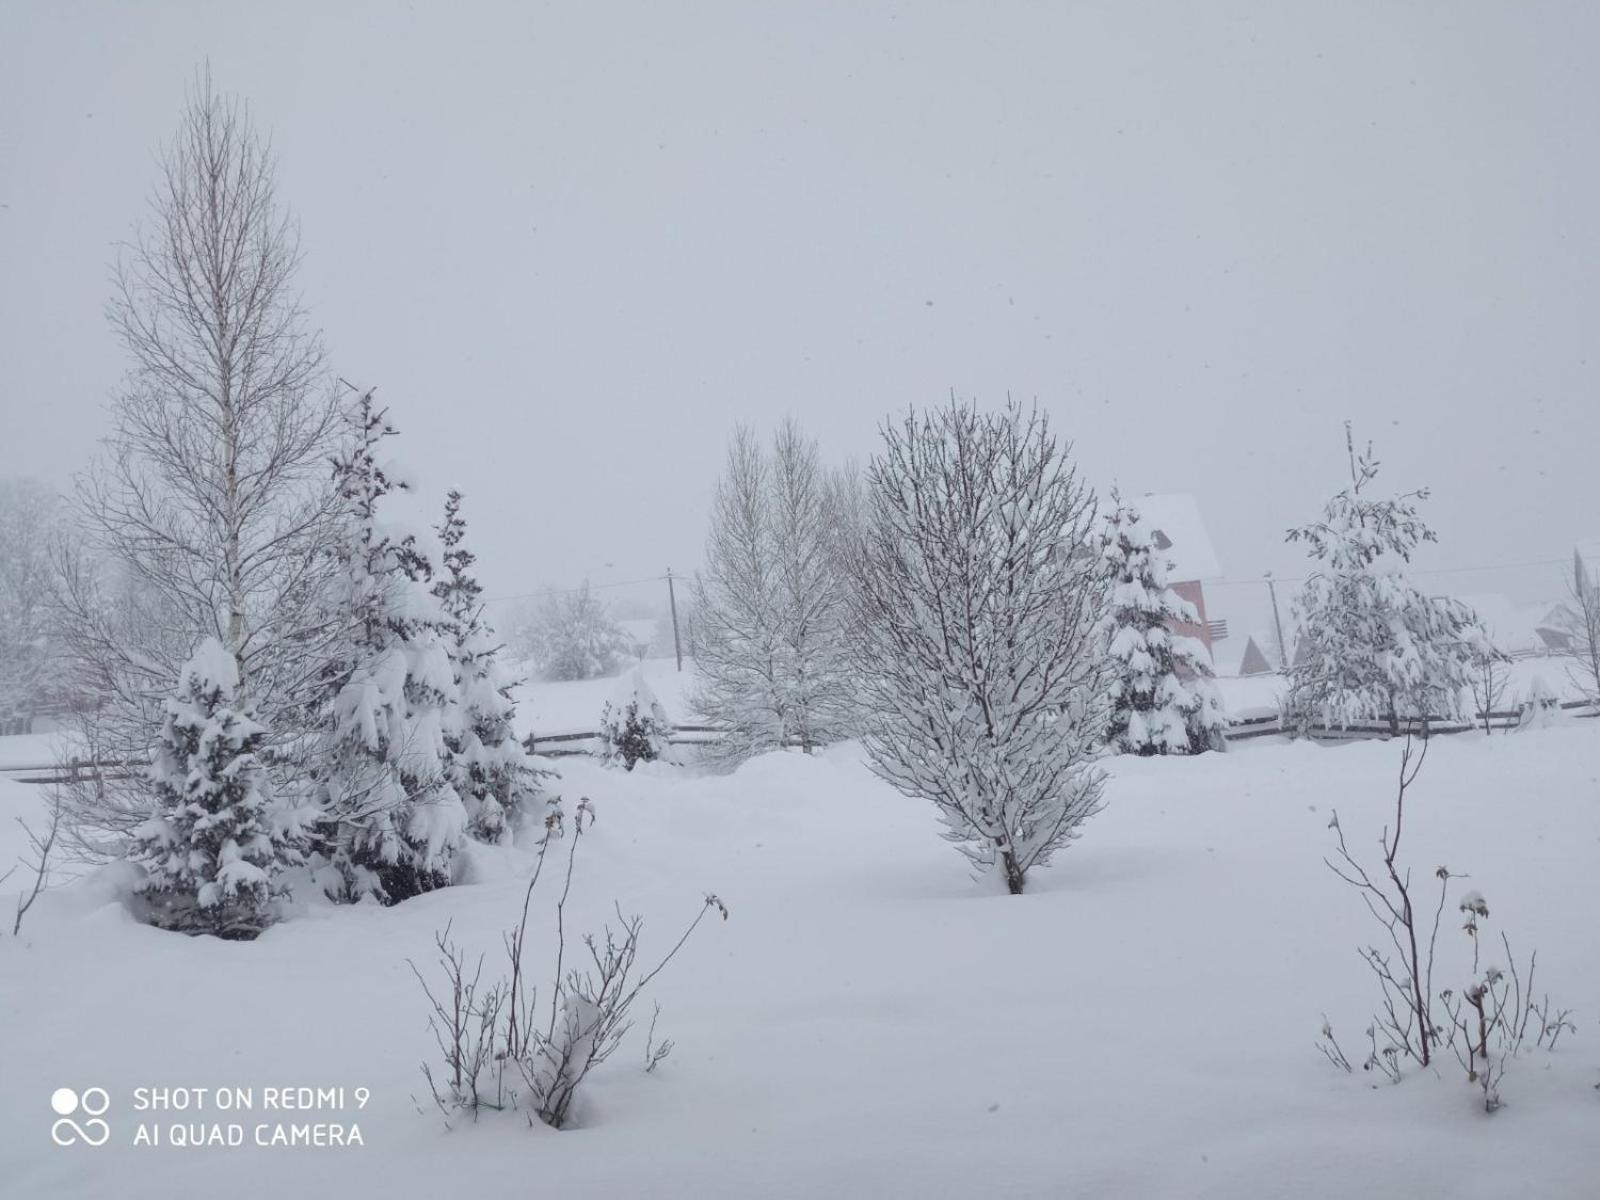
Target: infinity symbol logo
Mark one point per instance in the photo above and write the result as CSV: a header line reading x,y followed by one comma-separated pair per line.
x,y
93,1102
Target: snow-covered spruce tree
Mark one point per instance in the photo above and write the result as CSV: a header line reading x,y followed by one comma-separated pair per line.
x,y
1163,697
489,769
1373,645
980,636
770,605
209,513
634,727
571,635
213,847
393,820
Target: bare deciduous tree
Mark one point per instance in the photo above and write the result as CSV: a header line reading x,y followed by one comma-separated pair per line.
x,y
770,606
983,672
1582,626
209,509
27,521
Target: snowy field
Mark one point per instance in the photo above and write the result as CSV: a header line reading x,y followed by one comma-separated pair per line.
x,y
869,1022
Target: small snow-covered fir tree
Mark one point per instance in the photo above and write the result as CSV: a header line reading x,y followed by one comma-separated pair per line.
x,y
489,768
394,819
634,727
214,846
1373,645
979,645
1163,697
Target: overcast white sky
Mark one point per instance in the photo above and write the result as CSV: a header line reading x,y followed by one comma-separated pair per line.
x,y
572,245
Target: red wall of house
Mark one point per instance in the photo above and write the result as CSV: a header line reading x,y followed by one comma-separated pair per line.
x,y
1192,591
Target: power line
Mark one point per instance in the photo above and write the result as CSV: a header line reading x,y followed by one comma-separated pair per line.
x,y
593,587
1538,562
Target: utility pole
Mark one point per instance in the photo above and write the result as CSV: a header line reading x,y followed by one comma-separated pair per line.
x,y
672,599
1283,650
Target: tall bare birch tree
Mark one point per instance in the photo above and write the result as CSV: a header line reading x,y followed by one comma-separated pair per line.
x,y
770,603
206,515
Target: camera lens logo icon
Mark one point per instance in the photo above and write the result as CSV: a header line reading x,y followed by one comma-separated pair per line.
x,y
92,1104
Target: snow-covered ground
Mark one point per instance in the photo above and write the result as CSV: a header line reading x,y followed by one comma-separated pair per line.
x,y
1245,696
553,708
870,1021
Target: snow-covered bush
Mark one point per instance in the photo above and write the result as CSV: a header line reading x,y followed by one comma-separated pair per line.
x,y
1539,707
770,605
214,847
489,769
571,635
392,818
634,727
1163,697
979,637
1374,646
500,1047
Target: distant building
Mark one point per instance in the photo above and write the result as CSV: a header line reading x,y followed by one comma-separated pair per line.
x,y
1586,564
1177,531
1521,630
1259,657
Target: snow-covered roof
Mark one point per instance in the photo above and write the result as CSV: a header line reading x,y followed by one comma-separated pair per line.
x,y
1176,517
1259,655
641,631
1513,627
1589,551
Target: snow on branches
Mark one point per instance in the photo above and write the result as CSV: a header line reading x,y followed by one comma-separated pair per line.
x,y
384,784
214,846
489,768
1373,645
572,635
980,640
1163,697
770,604
634,727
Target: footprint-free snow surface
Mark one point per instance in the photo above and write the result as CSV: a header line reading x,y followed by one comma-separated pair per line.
x,y
870,1021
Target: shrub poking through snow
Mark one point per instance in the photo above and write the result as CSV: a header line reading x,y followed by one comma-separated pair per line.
x,y
500,1048
1486,1024
392,818
212,848
1539,706
489,769
634,727
1164,700
1374,645
982,662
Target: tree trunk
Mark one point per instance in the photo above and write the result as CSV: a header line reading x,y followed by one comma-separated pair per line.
x,y
1015,877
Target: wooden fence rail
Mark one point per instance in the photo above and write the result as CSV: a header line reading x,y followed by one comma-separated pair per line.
x,y
577,745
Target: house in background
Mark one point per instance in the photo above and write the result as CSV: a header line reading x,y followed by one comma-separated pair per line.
x,y
1585,565
1260,655
1522,630
1177,531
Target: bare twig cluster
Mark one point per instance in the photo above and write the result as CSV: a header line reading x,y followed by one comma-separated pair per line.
x,y
36,862
1486,1024
499,1047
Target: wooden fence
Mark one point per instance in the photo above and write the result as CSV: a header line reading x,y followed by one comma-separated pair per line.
x,y
577,745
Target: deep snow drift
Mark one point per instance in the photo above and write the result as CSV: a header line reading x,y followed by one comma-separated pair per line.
x,y
870,1021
